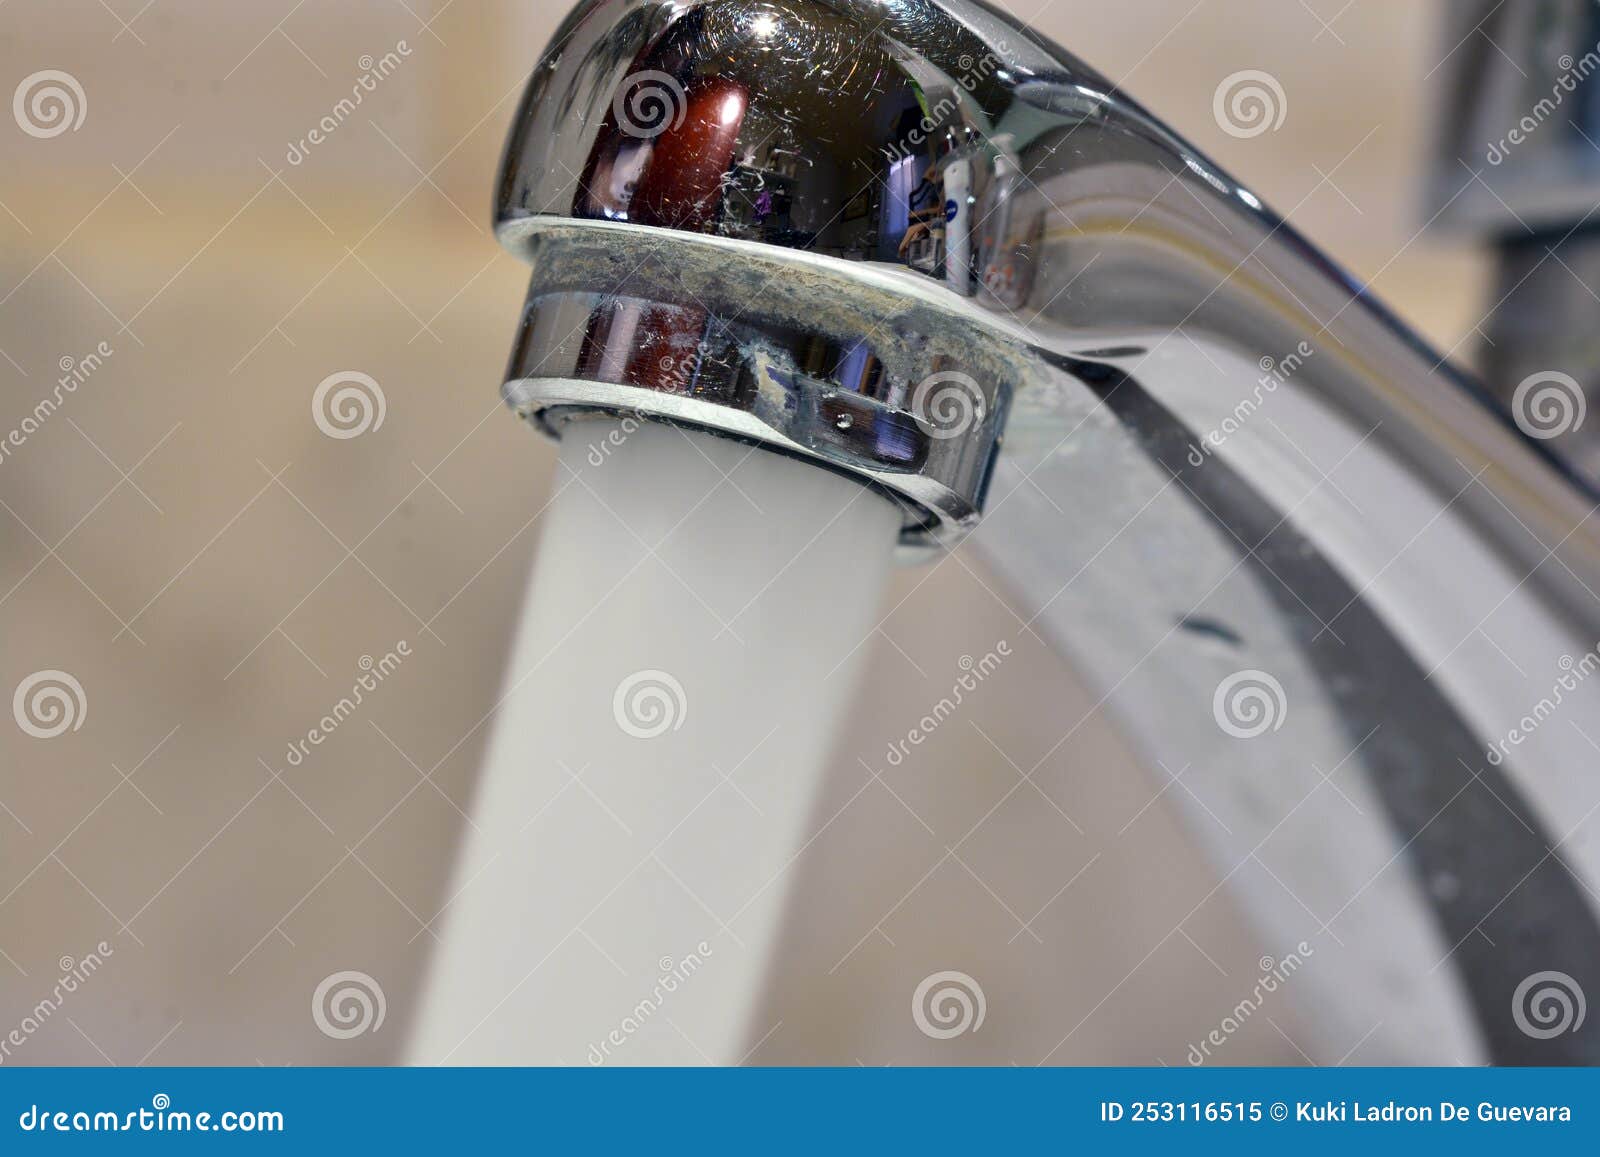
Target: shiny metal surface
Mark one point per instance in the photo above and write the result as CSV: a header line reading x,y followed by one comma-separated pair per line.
x,y
1212,470
1516,138
1540,331
878,381
1517,115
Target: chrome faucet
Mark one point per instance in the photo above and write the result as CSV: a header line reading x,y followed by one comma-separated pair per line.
x,y
1327,586
1513,167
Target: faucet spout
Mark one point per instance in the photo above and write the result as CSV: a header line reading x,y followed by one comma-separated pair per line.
x,y
1322,580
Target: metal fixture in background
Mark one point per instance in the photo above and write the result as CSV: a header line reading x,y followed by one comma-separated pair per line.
x,y
1517,162
916,243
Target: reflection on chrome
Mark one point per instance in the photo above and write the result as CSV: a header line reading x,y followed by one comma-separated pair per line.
x,y
780,220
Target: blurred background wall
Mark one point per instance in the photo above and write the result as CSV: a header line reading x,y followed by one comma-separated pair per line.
x,y
181,537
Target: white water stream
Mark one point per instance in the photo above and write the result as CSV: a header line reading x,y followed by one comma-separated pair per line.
x,y
692,635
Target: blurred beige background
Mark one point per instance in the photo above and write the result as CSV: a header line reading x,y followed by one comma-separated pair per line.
x,y
182,538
